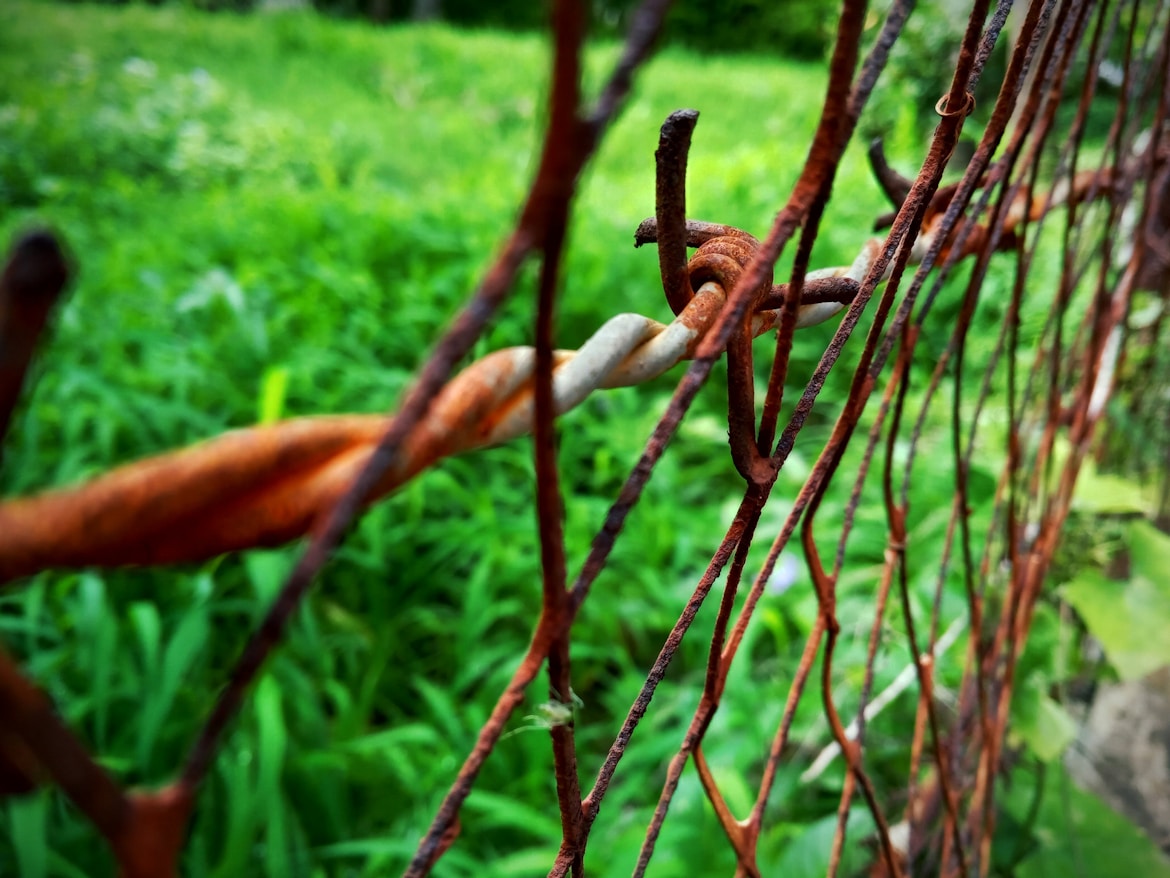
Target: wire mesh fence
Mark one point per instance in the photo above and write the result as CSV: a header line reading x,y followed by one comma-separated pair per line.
x,y
1074,232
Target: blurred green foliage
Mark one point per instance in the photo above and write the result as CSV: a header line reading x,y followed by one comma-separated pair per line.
x,y
795,28
276,216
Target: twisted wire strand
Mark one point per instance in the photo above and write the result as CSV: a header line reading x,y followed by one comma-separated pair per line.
x,y
267,485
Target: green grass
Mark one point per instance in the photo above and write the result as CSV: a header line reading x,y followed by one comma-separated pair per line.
x,y
254,200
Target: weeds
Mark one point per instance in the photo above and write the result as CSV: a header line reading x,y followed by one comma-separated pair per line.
x,y
275,216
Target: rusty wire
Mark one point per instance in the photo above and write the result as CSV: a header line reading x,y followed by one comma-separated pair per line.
x,y
312,476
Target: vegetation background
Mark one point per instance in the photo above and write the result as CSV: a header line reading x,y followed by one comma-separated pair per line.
x,y
275,215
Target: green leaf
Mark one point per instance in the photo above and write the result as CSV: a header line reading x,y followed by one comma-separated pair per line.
x,y
1046,650
267,570
1149,552
98,631
273,391
736,793
238,820
494,812
1108,494
524,862
28,818
273,743
387,741
1130,619
807,856
1042,724
147,625
403,848
182,650
271,734
1075,833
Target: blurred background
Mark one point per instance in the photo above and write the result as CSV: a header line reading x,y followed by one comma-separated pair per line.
x,y
275,208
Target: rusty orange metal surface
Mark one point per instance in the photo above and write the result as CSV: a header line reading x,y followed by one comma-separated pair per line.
x,y
310,476
266,485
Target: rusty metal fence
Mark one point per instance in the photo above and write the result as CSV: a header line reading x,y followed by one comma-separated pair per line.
x,y
312,476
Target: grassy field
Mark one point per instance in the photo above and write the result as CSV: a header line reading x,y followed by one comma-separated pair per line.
x,y
259,203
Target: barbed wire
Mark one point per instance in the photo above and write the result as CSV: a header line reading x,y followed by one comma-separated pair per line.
x,y
268,484
309,476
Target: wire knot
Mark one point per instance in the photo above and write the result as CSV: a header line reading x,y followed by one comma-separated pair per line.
x,y
722,259
943,110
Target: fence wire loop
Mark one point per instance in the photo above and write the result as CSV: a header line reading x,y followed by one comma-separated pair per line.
x,y
309,477
942,106
722,260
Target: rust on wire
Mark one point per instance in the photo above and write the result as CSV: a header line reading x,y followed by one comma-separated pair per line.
x,y
569,26
671,207
33,279
270,484
942,107
312,476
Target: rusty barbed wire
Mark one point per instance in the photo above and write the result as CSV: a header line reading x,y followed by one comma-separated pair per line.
x,y
34,277
269,484
266,485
